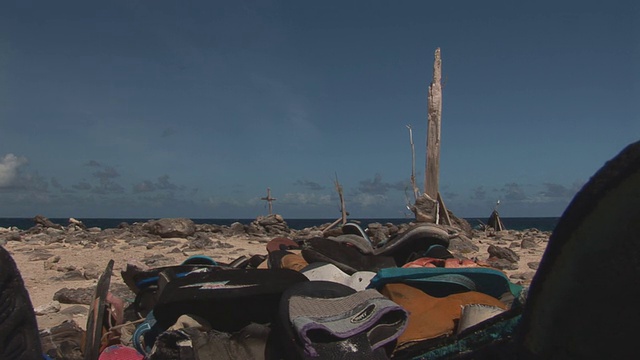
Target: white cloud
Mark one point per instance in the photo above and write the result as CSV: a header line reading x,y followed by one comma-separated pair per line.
x,y
366,200
307,199
9,169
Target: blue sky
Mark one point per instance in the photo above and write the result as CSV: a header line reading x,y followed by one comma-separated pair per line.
x,y
172,109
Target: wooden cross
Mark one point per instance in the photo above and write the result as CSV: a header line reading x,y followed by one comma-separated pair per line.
x,y
269,199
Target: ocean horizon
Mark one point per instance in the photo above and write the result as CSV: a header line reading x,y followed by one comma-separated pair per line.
x,y
510,223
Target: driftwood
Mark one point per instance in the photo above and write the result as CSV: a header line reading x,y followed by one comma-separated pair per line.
x,y
332,225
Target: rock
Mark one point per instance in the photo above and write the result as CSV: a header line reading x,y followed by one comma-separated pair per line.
x,y
378,233
157,260
50,308
528,243
167,228
74,296
393,229
462,245
73,275
75,310
502,264
236,229
170,242
84,296
269,225
77,223
11,236
54,238
46,223
92,271
503,253
533,265
40,255
200,242
208,228
220,245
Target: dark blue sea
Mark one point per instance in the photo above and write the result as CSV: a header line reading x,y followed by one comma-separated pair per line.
x,y
514,223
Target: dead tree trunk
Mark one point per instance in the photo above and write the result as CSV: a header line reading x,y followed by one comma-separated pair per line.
x,y
433,132
414,186
427,206
343,209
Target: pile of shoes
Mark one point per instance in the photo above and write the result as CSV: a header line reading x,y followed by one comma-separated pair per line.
x,y
324,297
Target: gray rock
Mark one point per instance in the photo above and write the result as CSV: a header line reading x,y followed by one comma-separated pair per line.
x,y
502,264
212,228
169,242
200,242
73,275
378,233
50,308
74,296
533,265
75,310
51,262
255,230
12,236
222,245
40,255
503,253
174,227
54,239
45,223
157,260
269,225
528,243
237,229
84,296
92,271
462,245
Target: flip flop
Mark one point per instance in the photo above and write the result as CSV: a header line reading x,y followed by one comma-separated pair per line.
x,y
432,317
328,320
347,258
228,299
489,281
95,320
328,272
281,243
415,242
